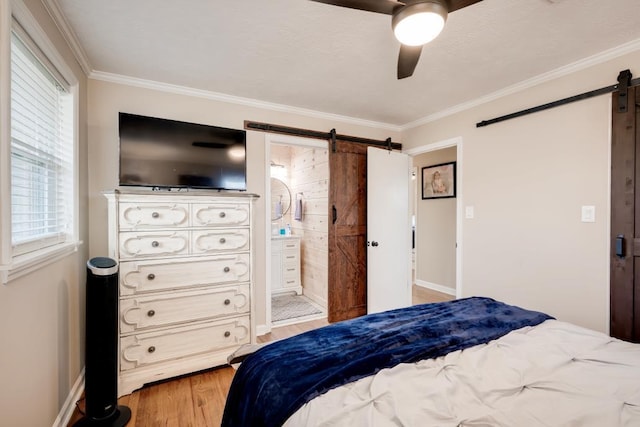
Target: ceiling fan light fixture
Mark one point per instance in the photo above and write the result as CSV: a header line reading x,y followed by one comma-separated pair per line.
x,y
419,23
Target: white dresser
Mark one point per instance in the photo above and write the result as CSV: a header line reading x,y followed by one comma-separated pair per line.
x,y
285,265
185,288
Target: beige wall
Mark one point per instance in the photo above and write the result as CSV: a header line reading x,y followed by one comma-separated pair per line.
x,y
42,313
106,99
435,229
527,179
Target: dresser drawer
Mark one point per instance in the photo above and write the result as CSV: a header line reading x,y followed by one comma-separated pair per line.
x,y
145,244
222,240
220,214
290,271
290,282
291,244
153,215
161,346
180,307
290,275
290,257
138,277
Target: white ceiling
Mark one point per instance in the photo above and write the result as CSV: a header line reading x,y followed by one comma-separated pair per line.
x,y
335,60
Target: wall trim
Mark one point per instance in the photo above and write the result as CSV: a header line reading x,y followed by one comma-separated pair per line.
x,y
69,406
435,287
53,7
69,35
25,18
262,330
579,65
248,102
298,141
446,143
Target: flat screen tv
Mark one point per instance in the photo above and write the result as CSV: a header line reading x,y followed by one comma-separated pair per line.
x,y
167,153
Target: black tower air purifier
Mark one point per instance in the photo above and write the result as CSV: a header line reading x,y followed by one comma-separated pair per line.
x,y
101,353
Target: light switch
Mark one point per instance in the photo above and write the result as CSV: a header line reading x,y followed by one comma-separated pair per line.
x,y
468,212
588,214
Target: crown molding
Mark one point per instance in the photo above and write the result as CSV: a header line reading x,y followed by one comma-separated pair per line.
x,y
582,64
22,14
248,102
69,35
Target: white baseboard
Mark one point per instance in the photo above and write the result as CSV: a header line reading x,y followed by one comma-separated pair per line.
x,y
435,287
66,412
262,330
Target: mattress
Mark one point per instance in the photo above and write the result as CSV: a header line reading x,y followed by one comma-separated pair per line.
x,y
278,379
552,374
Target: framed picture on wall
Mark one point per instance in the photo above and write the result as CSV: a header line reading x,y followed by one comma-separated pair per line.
x,y
439,181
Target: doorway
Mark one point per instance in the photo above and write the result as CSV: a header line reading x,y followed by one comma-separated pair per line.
x,y
437,224
296,223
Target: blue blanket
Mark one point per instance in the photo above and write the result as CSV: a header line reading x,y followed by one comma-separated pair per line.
x,y
278,379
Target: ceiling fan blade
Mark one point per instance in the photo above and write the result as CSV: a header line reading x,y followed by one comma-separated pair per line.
x,y
407,60
379,6
459,4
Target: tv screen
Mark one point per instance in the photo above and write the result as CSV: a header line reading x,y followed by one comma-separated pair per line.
x,y
167,153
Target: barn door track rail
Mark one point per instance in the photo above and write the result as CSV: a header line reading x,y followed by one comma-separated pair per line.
x,y
624,81
331,136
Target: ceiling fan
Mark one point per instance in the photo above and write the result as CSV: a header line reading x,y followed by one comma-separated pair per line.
x,y
414,23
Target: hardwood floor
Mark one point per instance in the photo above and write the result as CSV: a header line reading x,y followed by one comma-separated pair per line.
x,y
197,400
291,330
422,295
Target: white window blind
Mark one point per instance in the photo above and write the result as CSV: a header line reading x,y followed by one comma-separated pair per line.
x,y
41,151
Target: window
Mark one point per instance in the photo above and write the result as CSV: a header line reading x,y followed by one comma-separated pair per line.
x,y
40,222
41,154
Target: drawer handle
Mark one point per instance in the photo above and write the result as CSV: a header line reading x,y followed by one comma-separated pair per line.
x,y
151,313
227,269
155,243
222,214
227,334
223,240
227,302
155,215
151,276
291,269
151,349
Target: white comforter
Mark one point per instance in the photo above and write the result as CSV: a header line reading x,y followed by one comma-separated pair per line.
x,y
553,374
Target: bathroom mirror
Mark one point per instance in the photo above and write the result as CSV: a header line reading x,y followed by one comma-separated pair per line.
x,y
280,199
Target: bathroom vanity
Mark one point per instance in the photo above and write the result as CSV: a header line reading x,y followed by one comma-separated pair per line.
x,y
285,264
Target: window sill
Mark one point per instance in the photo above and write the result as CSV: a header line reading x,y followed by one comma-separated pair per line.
x,y
28,263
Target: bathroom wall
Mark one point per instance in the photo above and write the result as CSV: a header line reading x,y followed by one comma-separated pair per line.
x,y
310,182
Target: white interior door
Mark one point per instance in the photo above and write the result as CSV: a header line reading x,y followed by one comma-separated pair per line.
x,y
388,230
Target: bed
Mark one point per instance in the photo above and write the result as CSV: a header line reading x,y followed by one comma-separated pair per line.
x,y
468,362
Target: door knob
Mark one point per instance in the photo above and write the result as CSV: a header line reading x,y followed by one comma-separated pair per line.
x,y
374,243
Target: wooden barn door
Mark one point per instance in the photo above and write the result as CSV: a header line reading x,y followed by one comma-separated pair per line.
x,y
625,218
347,287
